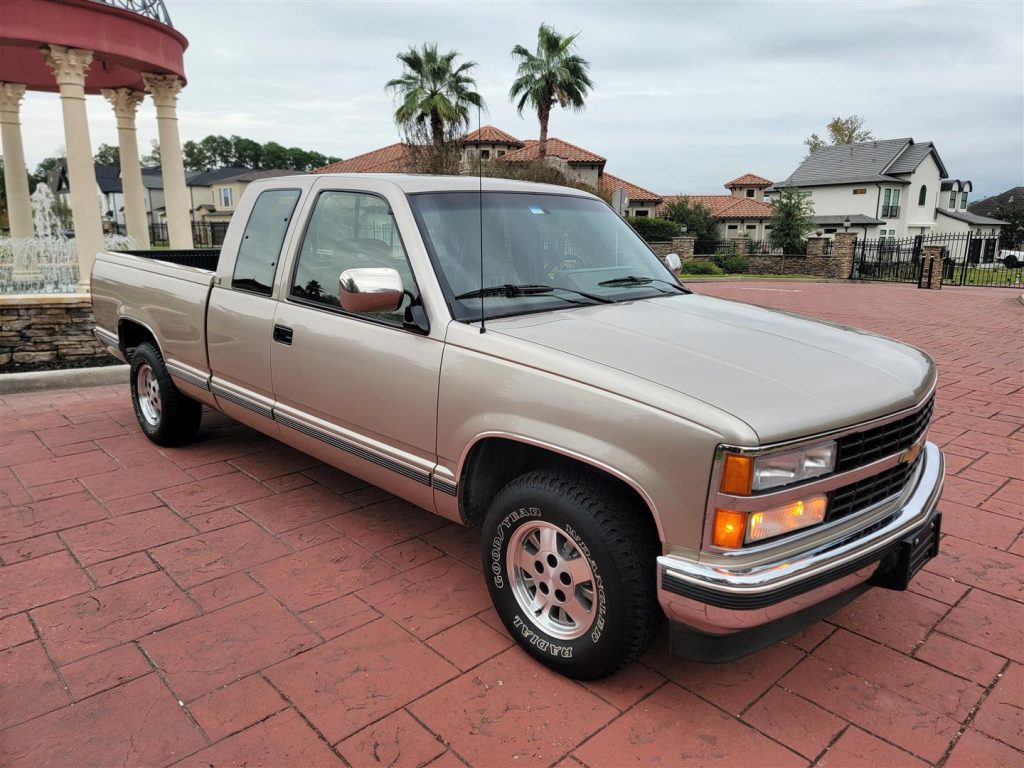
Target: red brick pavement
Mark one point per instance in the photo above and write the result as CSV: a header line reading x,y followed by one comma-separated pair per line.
x,y
236,603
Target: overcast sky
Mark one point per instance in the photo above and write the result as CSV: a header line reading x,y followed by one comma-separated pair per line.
x,y
687,95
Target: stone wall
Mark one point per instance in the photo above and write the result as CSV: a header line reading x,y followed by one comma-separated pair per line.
x,y
816,263
683,246
47,331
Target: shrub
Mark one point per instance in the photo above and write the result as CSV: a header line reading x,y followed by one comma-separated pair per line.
x,y
700,267
654,229
731,263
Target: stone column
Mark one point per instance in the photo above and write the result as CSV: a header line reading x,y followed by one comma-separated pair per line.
x,y
683,246
164,90
931,269
844,246
815,247
741,245
69,66
19,204
125,102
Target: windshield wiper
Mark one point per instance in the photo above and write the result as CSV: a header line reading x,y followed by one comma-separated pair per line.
x,y
638,280
514,291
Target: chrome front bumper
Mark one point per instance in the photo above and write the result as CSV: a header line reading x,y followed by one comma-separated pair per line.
x,y
722,600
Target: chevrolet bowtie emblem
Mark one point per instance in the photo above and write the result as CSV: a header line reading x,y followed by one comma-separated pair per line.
x,y
911,454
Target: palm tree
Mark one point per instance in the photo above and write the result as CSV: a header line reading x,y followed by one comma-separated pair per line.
x,y
433,89
552,75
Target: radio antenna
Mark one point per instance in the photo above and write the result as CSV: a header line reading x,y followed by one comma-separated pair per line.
x,y
480,204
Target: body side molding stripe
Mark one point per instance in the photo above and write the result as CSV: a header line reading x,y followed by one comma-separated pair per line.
x,y
244,402
188,377
444,486
356,450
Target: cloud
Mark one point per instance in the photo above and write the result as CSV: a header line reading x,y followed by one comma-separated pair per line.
x,y
688,95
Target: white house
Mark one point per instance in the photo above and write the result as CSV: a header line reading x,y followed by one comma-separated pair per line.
x,y
890,188
109,195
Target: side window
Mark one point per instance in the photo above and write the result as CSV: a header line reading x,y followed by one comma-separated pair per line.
x,y
922,196
348,230
260,249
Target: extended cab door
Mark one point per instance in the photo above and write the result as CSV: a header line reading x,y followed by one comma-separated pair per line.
x,y
357,390
240,316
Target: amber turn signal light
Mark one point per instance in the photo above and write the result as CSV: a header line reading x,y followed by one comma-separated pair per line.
x,y
737,474
729,529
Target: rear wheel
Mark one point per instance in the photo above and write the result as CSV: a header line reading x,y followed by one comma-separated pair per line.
x,y
167,416
569,561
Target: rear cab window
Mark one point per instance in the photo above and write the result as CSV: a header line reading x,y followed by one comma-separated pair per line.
x,y
260,248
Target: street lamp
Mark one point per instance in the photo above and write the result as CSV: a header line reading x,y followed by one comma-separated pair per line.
x,y
846,224
683,228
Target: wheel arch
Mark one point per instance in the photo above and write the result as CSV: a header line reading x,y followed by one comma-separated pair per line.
x,y
494,459
132,332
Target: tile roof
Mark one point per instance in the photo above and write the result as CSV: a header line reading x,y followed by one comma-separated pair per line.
x,y
848,163
990,205
488,134
968,217
608,184
393,158
556,148
722,206
748,180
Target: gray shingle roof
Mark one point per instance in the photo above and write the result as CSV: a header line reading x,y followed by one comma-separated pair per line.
x,y
856,220
970,218
866,162
990,205
206,178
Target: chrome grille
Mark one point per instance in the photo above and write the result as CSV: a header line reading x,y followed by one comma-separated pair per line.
x,y
862,448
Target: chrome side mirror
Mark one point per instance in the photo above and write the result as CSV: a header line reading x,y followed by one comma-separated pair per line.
x,y
674,263
370,289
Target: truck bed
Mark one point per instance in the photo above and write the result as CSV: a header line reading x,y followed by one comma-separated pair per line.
x,y
199,258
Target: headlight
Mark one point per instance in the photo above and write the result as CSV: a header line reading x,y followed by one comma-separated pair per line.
x,y
775,469
734,529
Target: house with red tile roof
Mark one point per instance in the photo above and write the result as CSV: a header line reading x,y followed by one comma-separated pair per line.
x,y
744,212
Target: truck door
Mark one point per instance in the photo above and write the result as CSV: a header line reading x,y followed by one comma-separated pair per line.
x,y
240,316
357,390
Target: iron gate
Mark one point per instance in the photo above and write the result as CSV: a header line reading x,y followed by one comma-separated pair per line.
x,y
967,259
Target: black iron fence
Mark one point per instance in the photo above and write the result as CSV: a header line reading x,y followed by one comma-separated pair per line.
x,y
967,259
205,234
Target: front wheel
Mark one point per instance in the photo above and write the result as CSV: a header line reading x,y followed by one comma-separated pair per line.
x,y
167,417
569,561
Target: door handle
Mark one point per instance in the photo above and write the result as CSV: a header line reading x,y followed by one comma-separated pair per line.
x,y
282,334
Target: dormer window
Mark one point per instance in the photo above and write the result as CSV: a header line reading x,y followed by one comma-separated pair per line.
x,y
952,200
963,200
750,193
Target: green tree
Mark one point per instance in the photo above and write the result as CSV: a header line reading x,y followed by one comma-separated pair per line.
x,y
218,151
1012,235
434,91
43,171
152,158
791,221
841,130
276,155
553,75
195,157
246,153
695,216
107,155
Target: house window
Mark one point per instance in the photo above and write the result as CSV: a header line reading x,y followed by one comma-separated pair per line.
x,y
640,214
485,154
501,153
750,193
963,200
733,226
952,199
751,226
226,198
861,191
805,193
922,196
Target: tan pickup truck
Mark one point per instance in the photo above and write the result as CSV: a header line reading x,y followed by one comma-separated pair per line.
x,y
512,356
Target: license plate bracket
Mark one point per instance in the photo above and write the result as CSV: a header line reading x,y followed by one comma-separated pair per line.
x,y
910,555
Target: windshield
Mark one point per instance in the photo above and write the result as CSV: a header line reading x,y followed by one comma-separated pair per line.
x,y
575,246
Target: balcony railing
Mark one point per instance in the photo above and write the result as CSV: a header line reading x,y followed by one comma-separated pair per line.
x,y
153,9
890,211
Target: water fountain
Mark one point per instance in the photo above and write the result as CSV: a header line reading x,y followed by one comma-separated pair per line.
x,y
46,263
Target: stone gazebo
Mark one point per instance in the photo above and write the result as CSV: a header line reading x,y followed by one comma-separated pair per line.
x,y
122,50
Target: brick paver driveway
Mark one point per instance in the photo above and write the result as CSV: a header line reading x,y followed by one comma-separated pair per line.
x,y
235,602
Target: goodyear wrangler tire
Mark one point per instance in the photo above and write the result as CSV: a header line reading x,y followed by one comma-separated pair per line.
x,y
167,417
569,562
